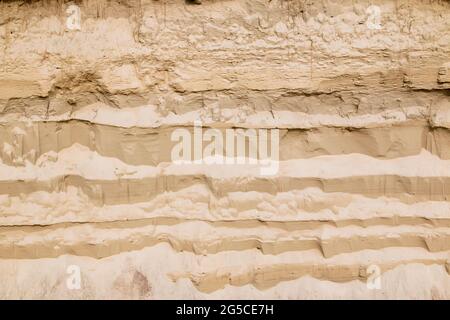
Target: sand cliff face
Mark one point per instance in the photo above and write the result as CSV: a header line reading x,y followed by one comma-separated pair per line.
x,y
91,205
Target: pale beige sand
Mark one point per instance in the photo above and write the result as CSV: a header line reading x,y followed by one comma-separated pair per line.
x,y
86,177
147,274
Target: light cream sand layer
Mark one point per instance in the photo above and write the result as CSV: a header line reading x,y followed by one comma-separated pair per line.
x,y
197,202
158,272
99,241
79,160
149,117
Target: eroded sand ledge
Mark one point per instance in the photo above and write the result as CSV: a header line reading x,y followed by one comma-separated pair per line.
x,y
85,172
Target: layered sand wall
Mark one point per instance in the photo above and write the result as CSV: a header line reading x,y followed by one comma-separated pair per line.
x,y
360,97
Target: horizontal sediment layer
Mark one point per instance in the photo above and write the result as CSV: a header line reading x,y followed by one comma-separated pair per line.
x,y
290,210
139,146
113,134
110,181
236,274
357,189
267,276
97,240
